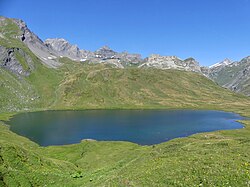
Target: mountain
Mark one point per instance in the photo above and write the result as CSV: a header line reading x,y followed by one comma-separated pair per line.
x,y
35,44
105,54
63,48
232,75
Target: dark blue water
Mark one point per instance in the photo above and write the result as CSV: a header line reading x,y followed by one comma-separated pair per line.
x,y
144,127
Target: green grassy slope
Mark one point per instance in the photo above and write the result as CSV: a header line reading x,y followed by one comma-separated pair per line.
x,y
211,159
99,86
15,94
83,86
22,165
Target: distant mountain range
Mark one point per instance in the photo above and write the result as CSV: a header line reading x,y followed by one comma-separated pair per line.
x,y
232,75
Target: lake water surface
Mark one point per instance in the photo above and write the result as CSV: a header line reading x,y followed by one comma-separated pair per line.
x,y
144,127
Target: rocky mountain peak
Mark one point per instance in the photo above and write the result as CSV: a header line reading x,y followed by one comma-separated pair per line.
x,y
53,41
35,44
61,45
105,52
227,61
191,64
105,48
190,59
171,62
245,60
223,63
232,75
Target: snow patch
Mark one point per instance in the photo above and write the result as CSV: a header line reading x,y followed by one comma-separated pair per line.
x,y
51,58
226,62
215,65
83,59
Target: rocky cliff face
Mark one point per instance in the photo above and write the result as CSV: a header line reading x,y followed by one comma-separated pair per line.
x,y
123,58
171,62
63,48
191,64
16,60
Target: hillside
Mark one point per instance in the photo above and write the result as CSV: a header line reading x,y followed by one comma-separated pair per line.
x,y
232,75
32,79
81,86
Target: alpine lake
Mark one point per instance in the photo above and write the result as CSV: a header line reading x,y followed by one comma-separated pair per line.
x,y
144,127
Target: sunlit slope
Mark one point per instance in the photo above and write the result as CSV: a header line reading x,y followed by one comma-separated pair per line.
x,y
81,86
100,86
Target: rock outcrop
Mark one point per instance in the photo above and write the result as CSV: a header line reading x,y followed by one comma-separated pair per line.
x,y
11,58
171,62
63,48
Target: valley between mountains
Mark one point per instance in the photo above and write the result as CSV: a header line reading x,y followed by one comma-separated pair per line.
x,y
38,75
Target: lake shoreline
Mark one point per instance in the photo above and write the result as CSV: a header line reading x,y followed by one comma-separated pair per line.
x,y
126,123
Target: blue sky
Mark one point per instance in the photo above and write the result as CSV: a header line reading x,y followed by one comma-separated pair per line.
x,y
208,30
